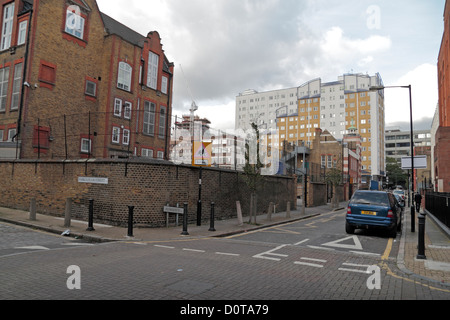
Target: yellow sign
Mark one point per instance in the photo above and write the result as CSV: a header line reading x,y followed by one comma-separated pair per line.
x,y
202,154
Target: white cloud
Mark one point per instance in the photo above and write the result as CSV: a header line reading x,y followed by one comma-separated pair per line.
x,y
424,88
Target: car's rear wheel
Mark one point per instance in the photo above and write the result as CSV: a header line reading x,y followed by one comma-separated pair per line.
x,y
349,228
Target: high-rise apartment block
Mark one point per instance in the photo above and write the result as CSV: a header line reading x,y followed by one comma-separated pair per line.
x,y
335,106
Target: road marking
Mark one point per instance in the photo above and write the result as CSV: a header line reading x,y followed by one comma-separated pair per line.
x,y
33,248
337,243
321,248
388,249
161,246
300,242
309,263
270,252
366,253
193,250
355,270
228,254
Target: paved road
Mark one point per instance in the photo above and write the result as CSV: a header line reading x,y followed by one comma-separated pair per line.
x,y
311,259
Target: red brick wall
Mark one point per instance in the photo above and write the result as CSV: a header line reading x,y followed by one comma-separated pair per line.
x,y
148,186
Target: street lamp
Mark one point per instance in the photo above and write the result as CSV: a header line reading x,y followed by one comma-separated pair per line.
x,y
377,88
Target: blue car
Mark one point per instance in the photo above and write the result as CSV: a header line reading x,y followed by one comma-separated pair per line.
x,y
373,209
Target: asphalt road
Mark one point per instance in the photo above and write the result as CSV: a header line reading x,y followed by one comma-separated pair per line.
x,y
312,259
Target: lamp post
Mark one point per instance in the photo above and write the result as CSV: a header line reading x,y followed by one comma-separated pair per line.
x,y
377,88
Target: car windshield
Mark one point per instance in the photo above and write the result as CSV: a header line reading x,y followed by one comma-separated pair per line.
x,y
371,198
398,191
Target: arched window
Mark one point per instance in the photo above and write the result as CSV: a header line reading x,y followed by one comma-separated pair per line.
x,y
124,77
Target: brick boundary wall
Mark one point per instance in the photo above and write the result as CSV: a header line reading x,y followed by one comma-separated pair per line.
x,y
148,185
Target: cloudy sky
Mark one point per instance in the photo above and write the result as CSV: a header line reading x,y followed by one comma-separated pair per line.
x,y
223,47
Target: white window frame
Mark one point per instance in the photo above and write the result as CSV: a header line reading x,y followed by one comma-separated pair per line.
x,y
162,121
126,137
17,86
149,118
4,80
85,141
152,72
115,135
11,134
8,22
22,36
148,153
117,107
74,23
127,109
164,85
160,154
124,76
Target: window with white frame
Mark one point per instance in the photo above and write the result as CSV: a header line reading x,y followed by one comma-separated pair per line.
x,y
22,36
17,85
4,78
11,134
116,135
160,155
124,76
152,72
126,137
148,153
164,85
162,122
85,145
117,107
8,20
149,118
74,23
127,110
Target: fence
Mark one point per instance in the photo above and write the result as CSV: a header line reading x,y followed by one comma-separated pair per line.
x,y
439,205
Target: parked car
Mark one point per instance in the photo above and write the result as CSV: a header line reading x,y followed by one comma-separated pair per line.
x,y
401,193
373,209
400,200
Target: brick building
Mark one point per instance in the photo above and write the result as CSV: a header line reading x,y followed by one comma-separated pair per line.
x,y
442,137
75,83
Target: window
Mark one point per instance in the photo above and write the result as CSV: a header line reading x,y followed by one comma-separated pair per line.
x,y
91,88
126,137
22,36
162,122
147,153
160,155
329,162
16,86
47,75
85,145
124,77
127,110
41,137
4,77
116,135
8,19
322,162
11,134
152,72
164,85
149,118
1,135
117,107
74,23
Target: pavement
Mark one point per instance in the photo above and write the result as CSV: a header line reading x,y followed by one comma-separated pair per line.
x,y
435,266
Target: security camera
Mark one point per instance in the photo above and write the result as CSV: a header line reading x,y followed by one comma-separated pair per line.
x,y
26,84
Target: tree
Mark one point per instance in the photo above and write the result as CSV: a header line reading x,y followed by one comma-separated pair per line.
x,y
252,171
395,173
334,177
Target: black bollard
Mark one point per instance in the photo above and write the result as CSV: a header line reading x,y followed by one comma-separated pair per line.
x,y
130,220
421,246
91,216
211,220
185,219
413,218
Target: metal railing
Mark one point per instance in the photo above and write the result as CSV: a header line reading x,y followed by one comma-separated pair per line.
x,y
439,205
